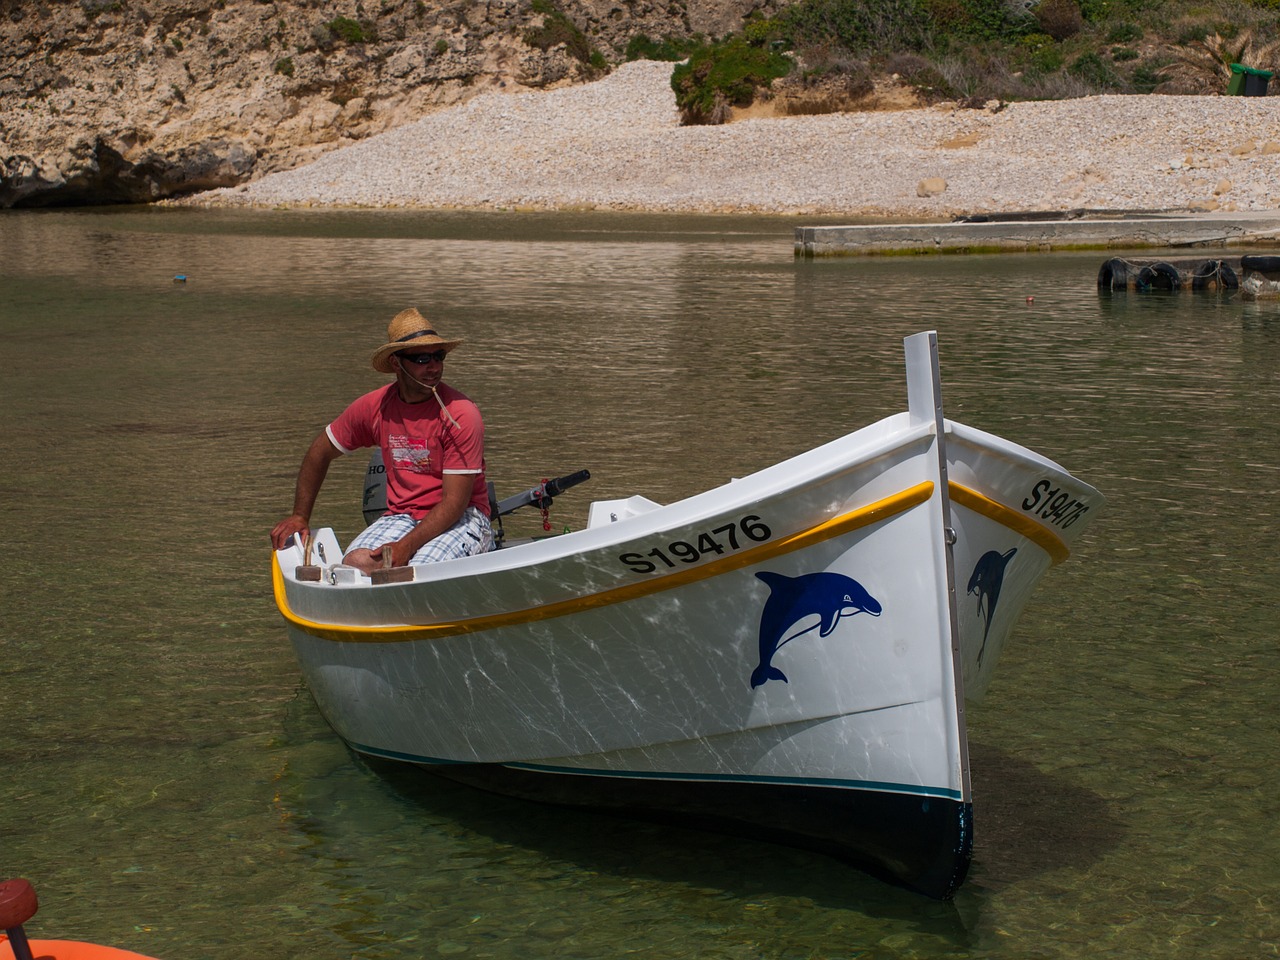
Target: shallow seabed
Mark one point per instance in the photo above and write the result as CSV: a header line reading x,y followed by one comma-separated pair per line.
x,y
170,788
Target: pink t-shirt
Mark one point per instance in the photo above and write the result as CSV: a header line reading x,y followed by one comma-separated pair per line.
x,y
419,445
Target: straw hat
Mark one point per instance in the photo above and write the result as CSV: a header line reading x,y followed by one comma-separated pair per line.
x,y
408,329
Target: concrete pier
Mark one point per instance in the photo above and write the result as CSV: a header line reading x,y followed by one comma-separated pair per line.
x,y
1077,230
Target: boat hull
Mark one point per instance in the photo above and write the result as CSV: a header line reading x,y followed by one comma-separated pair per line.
x,y
920,842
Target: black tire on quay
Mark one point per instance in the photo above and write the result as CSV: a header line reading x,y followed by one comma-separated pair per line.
x,y
1159,276
1214,274
1114,275
1269,267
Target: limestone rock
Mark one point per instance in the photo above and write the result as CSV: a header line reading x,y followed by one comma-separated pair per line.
x,y
96,170
105,102
1255,286
931,187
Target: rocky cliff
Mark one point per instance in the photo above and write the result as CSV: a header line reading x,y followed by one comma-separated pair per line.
x,y
129,101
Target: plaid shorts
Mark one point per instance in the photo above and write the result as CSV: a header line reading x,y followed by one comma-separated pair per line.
x,y
470,535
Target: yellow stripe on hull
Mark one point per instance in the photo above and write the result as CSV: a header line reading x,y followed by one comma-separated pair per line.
x,y
1017,522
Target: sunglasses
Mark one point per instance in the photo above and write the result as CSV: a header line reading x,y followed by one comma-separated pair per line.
x,y
423,358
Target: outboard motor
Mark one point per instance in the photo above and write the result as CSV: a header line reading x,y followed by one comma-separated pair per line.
x,y
374,503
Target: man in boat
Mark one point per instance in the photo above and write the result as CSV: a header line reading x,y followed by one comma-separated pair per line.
x,y
432,440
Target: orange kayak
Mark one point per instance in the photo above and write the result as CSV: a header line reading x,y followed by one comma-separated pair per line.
x,y
18,904
69,950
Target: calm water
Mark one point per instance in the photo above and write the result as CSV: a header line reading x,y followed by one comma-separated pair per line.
x,y
170,787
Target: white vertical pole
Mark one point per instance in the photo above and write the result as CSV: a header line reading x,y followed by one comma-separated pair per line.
x,y
924,405
924,383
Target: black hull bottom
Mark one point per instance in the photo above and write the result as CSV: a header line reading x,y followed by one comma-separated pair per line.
x,y
921,843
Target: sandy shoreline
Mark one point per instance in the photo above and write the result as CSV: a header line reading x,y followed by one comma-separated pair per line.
x,y
617,144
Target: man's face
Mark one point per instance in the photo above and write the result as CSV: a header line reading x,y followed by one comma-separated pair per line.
x,y
426,366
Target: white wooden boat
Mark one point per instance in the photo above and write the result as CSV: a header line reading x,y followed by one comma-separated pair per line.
x,y
785,656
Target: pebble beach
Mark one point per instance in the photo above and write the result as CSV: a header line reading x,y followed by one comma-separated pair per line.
x,y
617,144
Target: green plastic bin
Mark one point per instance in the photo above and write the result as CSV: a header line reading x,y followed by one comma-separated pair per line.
x,y
1248,82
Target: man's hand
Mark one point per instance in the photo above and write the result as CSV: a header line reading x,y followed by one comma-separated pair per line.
x,y
401,553
294,523
367,561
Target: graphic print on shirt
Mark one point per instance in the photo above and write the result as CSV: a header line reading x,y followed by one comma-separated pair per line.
x,y
410,454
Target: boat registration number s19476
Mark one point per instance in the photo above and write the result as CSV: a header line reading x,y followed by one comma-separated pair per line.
x,y
719,541
1057,506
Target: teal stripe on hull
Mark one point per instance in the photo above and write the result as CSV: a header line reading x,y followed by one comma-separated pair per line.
x,y
832,783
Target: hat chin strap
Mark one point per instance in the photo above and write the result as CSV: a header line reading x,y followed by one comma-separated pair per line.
x,y
428,386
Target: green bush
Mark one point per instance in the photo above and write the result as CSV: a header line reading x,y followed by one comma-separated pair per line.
x,y
641,47
921,74
1145,78
1038,53
1060,19
944,15
994,21
348,30
1124,33
284,66
95,8
1107,11
860,26
1093,70
982,49
557,29
722,75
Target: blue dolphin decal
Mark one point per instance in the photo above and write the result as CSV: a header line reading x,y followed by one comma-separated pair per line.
x,y
985,582
830,596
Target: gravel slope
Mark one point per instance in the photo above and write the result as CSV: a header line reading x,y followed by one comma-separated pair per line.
x,y
617,144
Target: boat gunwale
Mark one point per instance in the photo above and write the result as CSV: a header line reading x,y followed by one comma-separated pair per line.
x,y
822,464
1037,533
864,516
778,478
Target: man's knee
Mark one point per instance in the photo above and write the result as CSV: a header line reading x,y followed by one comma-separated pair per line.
x,y
362,560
